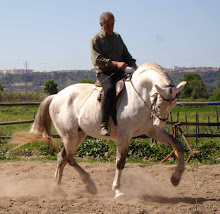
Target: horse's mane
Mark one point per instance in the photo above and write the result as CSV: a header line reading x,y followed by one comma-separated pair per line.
x,y
157,68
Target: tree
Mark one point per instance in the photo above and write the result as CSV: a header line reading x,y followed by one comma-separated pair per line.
x,y
216,93
2,87
87,81
194,88
50,87
218,82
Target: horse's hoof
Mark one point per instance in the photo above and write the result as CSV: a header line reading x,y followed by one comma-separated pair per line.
x,y
119,196
175,181
91,188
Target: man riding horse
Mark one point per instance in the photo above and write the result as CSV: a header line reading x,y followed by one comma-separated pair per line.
x,y
145,104
110,57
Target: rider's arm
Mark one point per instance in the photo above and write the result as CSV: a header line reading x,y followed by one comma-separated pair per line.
x,y
99,60
128,58
97,54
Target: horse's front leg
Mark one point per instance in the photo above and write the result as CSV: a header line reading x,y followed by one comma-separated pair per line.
x,y
176,176
122,149
162,136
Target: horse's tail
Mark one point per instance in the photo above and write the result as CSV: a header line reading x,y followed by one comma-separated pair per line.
x,y
40,129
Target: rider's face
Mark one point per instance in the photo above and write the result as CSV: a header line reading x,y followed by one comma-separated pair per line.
x,y
108,26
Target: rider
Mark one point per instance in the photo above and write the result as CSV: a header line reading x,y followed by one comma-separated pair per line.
x,y
109,57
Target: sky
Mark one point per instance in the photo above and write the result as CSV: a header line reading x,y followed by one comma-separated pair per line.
x,y
56,34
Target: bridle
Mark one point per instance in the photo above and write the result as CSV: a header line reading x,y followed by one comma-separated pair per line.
x,y
152,107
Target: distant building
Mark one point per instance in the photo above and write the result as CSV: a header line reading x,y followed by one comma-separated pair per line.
x,y
16,71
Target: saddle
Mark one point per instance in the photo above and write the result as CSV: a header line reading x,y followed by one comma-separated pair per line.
x,y
118,88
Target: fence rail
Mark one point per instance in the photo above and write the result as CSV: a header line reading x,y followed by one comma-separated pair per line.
x,y
21,104
213,103
16,122
171,122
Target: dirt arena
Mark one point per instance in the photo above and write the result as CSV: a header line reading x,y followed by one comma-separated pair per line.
x,y
26,187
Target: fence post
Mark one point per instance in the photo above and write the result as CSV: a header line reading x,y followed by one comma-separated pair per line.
x,y
197,127
186,124
171,120
216,112
208,125
177,117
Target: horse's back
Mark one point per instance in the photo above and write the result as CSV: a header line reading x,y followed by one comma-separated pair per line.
x,y
66,106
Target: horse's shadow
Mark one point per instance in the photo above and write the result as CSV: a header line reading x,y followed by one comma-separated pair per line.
x,y
176,200
144,187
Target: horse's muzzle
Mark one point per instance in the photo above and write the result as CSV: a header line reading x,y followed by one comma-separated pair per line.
x,y
158,123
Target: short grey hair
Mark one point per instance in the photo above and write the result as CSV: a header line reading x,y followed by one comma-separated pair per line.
x,y
105,16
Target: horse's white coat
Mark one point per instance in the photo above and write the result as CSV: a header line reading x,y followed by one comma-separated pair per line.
x,y
75,113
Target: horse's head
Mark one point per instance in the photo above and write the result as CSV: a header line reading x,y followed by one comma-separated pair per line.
x,y
163,101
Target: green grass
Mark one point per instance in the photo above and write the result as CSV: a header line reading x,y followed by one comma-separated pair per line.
x,y
203,111
17,113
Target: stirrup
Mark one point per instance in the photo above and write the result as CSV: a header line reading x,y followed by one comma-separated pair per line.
x,y
104,130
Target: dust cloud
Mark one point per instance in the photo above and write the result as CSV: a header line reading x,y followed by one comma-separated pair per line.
x,y
142,185
10,187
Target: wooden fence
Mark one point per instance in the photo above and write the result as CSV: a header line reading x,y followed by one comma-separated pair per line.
x,y
185,123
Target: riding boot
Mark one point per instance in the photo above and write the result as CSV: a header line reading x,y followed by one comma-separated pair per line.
x,y
113,115
104,129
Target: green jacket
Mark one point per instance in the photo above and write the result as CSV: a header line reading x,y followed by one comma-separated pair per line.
x,y
105,49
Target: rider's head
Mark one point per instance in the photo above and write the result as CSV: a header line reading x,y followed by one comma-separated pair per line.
x,y
107,21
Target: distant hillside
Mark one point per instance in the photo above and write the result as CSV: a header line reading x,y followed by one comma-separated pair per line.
x,y
35,80
209,77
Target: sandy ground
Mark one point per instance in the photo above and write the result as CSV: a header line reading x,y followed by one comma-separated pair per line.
x,y
27,187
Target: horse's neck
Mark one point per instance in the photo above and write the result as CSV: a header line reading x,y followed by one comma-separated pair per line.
x,y
144,82
148,79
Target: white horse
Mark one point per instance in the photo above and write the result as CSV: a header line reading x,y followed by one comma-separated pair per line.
x,y
145,104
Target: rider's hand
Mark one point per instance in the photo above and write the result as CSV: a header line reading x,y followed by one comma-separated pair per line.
x,y
134,66
119,65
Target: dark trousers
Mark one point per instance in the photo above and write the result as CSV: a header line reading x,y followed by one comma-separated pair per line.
x,y
108,80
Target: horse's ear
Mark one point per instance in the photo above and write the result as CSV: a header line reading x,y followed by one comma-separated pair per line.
x,y
180,86
159,90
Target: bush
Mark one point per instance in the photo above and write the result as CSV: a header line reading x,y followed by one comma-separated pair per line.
x,y
50,87
210,151
2,87
87,81
93,148
139,149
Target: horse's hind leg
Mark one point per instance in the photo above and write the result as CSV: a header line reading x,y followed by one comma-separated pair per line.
x,y
61,158
61,163
90,185
70,151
